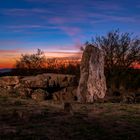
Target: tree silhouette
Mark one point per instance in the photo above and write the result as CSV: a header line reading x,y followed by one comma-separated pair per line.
x,y
32,61
121,49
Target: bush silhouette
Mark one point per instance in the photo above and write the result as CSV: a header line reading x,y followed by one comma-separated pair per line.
x,y
30,63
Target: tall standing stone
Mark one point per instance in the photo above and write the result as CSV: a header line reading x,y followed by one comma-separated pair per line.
x,y
92,84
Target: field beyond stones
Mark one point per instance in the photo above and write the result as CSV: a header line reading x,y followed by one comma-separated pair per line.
x,y
27,119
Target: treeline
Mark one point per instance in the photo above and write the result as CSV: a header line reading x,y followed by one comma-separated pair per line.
x,y
69,69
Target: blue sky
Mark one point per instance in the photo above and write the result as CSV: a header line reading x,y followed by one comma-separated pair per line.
x,y
62,25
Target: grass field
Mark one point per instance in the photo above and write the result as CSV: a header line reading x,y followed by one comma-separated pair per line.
x,y
30,120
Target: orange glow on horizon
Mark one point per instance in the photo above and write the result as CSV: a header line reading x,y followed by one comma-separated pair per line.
x,y
137,66
8,59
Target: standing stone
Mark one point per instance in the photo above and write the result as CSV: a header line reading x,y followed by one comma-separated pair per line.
x,y
92,84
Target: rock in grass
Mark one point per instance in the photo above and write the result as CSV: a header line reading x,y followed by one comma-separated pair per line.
x,y
39,95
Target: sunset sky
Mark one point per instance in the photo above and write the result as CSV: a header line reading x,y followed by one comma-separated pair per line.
x,y
59,27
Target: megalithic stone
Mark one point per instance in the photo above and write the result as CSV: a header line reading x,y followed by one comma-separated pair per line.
x,y
92,84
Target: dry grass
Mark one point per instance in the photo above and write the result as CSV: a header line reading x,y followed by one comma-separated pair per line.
x,y
27,119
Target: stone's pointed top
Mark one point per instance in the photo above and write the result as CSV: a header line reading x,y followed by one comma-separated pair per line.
x,y
91,48
92,84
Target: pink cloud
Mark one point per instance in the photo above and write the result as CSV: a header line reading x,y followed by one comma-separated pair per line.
x,y
61,22
71,31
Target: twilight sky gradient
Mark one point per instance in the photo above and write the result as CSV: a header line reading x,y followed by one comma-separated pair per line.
x,y
59,27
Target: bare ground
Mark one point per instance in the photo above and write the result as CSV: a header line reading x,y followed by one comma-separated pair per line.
x,y
27,119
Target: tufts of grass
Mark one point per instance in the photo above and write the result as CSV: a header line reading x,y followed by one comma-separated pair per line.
x,y
3,98
18,103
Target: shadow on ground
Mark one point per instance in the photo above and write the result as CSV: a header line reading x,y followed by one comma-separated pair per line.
x,y
26,119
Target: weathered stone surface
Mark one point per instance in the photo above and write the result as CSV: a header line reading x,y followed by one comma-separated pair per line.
x,y
48,80
92,84
4,91
9,81
35,86
39,95
67,94
23,92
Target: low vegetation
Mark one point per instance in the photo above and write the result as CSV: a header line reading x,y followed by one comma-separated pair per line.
x,y
26,119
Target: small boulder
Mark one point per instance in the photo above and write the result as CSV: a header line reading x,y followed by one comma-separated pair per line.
x,y
129,97
68,108
66,94
39,95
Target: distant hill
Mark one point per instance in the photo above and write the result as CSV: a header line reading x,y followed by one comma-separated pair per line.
x,y
4,70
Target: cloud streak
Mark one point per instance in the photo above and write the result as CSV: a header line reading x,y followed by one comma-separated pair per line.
x,y
2,51
24,11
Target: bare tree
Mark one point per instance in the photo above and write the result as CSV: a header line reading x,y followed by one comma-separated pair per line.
x,y
32,61
121,49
